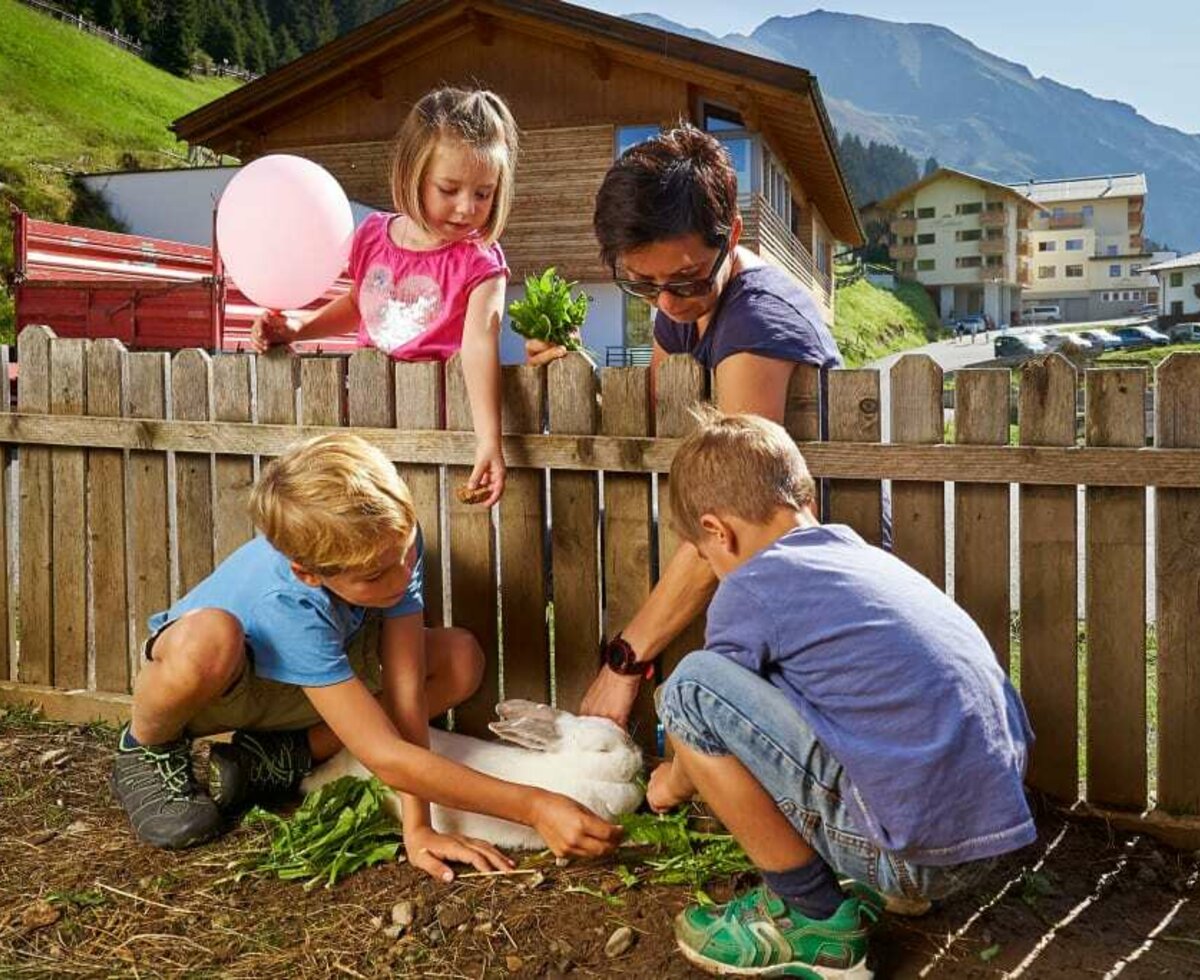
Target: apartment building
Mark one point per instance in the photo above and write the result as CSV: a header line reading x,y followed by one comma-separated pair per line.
x,y
962,238
1086,248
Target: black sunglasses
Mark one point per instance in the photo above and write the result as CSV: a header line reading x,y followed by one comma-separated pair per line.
x,y
684,289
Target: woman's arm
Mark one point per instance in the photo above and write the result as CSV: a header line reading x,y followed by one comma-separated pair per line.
x,y
754,385
481,370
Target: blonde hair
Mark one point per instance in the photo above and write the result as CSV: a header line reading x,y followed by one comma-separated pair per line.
x,y
740,466
333,504
478,118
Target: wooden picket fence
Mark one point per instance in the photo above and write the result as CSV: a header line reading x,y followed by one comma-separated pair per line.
x,y
132,472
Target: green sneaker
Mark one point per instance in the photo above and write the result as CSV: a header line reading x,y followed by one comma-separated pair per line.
x,y
759,934
895,904
257,767
154,784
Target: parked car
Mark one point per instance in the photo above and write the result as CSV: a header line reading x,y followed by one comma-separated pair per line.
x,y
1041,314
1105,338
1185,333
1141,336
1147,311
1019,345
970,325
1071,344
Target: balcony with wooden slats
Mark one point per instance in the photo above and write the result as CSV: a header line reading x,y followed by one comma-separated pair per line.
x,y
903,251
765,233
1061,222
992,219
902,227
993,246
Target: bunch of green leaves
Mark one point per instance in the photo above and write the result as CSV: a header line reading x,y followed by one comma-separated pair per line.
x,y
342,827
682,855
549,312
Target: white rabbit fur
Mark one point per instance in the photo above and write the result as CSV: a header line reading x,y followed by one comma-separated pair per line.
x,y
592,760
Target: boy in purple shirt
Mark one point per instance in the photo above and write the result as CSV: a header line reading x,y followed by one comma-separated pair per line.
x,y
845,719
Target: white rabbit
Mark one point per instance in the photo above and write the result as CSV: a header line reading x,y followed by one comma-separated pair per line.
x,y
592,760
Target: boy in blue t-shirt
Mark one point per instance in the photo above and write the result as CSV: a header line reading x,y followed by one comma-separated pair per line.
x,y
268,646
845,719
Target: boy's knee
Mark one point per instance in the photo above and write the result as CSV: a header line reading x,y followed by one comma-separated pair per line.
x,y
684,699
465,660
208,644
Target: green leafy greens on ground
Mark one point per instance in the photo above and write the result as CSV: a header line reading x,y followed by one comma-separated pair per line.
x,y
681,855
549,312
342,827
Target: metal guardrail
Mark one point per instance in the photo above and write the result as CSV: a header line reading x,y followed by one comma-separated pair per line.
x,y
616,356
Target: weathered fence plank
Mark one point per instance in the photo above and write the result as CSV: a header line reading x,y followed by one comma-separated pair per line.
x,y
1049,664
234,475
34,624
323,390
679,386
625,411
1115,528
919,509
69,562
524,634
419,405
5,653
149,557
854,416
192,399
1177,580
981,510
106,522
472,567
574,539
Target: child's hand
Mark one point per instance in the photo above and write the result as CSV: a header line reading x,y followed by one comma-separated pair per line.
x,y
661,792
489,472
570,829
428,850
539,352
271,329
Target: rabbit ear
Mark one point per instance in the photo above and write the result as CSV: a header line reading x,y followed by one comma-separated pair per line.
x,y
528,724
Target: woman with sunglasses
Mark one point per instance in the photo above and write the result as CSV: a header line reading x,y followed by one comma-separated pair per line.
x,y
668,226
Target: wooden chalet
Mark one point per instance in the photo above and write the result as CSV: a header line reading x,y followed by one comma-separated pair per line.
x,y
583,86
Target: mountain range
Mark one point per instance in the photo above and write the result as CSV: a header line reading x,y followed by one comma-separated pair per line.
x,y
933,92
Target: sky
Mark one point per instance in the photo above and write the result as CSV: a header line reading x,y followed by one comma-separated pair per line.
x,y
1145,56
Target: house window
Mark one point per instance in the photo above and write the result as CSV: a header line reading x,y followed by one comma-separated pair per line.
x,y
1059,213
973,207
1176,280
907,214
1151,295
968,235
906,268
777,188
1086,212
1176,307
926,265
926,212
1125,296
995,205
968,261
907,240
638,328
1074,244
928,238
1046,271
1104,297
994,234
994,261
741,153
718,118
628,136
1074,272
1047,246
1114,271
1137,295
1110,250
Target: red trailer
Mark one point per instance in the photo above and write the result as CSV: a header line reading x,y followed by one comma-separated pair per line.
x,y
146,292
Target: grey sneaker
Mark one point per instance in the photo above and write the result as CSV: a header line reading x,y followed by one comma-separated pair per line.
x,y
257,767
154,784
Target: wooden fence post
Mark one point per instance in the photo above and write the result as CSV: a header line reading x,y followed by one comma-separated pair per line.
x,y
419,405
35,595
5,540
854,417
981,510
192,399
1049,603
1115,527
574,539
919,509
1177,579
234,475
106,395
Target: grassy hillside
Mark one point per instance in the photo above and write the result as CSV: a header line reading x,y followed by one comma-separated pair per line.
x,y
71,103
871,322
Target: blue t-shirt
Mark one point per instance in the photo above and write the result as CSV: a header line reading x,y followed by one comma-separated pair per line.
x,y
297,633
761,311
896,682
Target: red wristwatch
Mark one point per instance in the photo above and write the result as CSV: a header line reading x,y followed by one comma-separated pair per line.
x,y
618,656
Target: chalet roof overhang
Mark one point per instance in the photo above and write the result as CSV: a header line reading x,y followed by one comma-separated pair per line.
x,y
1001,190
780,101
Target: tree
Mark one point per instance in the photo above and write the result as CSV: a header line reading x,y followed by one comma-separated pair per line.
x,y
931,166
173,38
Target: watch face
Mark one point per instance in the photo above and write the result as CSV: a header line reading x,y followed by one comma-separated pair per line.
x,y
618,656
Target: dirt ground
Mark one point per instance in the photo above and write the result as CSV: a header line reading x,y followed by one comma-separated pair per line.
x,y
80,897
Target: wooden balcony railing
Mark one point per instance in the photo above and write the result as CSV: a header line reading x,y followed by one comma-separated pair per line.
x,y
992,219
993,246
1072,220
903,251
904,226
766,233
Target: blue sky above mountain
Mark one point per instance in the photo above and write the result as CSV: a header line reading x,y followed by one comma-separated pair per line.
x,y
935,93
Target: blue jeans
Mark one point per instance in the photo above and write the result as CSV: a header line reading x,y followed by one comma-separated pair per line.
x,y
718,707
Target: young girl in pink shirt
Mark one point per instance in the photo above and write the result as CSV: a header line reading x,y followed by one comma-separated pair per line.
x,y
429,279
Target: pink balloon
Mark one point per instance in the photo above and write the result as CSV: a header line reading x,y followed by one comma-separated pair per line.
x,y
284,228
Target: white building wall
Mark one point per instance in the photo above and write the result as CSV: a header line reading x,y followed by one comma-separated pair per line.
x,y
1184,294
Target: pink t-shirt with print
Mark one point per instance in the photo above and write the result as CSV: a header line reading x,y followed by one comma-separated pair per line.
x,y
413,304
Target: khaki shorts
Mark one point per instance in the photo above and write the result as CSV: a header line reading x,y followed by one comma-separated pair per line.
x,y
254,703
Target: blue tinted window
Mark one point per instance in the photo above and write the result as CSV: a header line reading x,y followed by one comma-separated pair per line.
x,y
741,152
628,136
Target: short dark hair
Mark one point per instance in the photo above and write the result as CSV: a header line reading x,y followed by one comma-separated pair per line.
x,y
679,182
